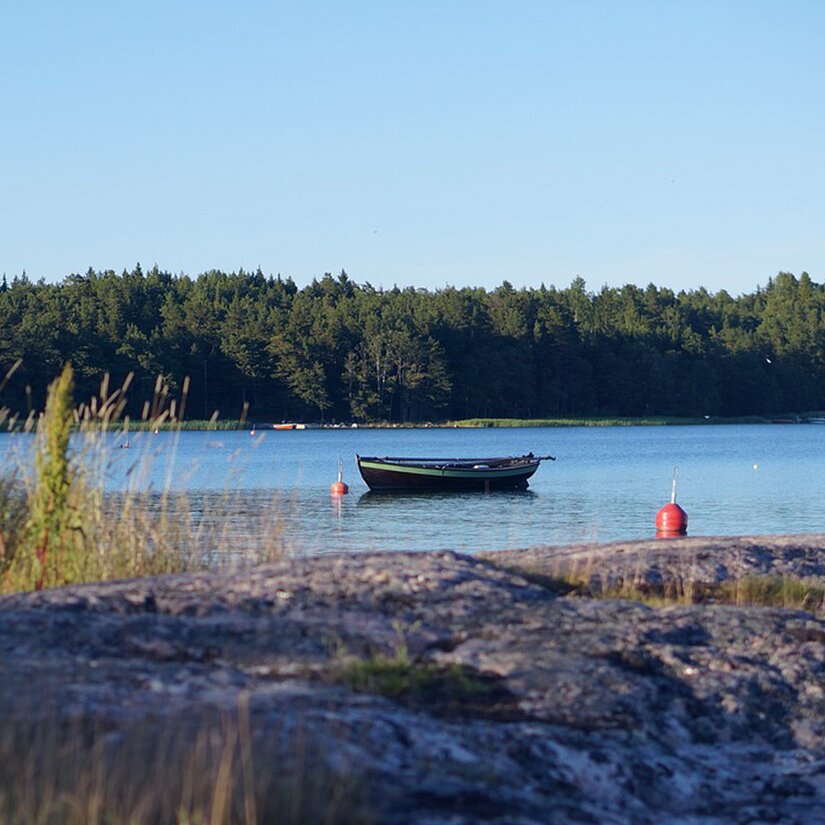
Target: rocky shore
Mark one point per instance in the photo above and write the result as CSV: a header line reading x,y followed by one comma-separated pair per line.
x,y
674,565
521,705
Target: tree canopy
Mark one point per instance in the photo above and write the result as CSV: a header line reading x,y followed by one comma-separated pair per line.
x,y
337,350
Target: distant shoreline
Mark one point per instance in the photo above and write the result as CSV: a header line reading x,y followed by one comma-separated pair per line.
x,y
481,423
128,426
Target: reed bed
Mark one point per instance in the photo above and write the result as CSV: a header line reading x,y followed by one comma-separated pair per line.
x,y
58,525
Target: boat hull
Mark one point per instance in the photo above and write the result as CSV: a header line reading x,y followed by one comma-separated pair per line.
x,y
384,477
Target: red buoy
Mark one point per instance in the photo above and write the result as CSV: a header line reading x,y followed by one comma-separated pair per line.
x,y
671,520
338,488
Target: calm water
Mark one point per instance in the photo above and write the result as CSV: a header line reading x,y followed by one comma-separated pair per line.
x,y
607,483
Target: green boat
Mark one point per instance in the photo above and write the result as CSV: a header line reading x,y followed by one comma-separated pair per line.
x,y
393,473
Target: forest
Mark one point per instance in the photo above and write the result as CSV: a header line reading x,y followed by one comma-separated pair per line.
x,y
338,351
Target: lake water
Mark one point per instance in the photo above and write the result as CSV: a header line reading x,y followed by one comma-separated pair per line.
x,y
607,483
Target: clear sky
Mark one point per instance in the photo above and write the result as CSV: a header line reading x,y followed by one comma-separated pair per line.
x,y
420,143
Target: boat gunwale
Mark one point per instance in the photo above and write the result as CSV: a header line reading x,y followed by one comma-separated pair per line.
x,y
470,464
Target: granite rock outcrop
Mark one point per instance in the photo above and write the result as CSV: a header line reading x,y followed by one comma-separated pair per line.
x,y
549,708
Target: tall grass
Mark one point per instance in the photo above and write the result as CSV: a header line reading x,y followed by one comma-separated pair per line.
x,y
776,591
209,769
58,525
680,587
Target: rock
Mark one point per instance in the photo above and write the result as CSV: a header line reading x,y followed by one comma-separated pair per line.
x,y
523,706
671,565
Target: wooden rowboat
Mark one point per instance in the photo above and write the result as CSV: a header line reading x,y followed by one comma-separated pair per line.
x,y
399,474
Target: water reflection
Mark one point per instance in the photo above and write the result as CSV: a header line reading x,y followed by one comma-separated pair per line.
x,y
419,497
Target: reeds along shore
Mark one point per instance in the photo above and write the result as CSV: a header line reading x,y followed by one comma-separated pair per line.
x,y
57,526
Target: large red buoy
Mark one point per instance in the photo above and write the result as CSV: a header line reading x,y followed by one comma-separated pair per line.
x,y
338,488
671,520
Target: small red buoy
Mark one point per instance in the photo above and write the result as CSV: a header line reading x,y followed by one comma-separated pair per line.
x,y
338,488
671,520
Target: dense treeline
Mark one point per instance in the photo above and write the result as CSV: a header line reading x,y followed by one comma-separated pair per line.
x,y
336,350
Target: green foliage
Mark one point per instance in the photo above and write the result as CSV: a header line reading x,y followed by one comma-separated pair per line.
x,y
389,676
53,553
775,591
399,677
336,350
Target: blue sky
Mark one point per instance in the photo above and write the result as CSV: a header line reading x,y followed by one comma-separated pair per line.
x,y
425,144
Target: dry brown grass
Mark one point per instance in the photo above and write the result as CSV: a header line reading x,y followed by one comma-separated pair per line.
x,y
680,587
208,770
